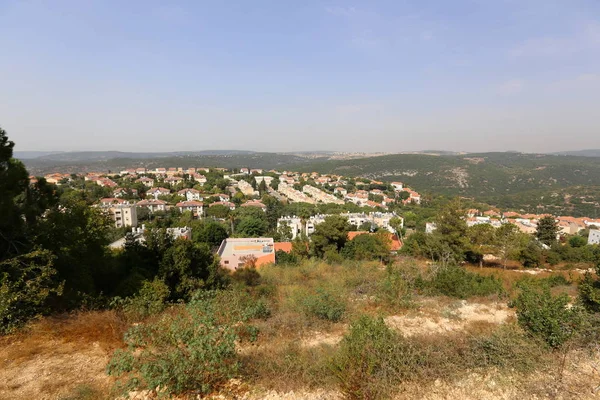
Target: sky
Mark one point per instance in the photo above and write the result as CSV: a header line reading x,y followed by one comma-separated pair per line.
x,y
283,75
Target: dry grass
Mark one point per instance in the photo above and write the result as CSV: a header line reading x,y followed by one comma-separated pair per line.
x,y
60,357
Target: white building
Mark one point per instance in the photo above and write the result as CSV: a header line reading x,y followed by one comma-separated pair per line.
x,y
196,207
190,194
381,220
594,236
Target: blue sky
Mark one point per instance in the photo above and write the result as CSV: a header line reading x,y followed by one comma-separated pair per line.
x,y
471,75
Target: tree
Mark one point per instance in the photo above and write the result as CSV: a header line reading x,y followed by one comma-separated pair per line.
x,y
577,241
186,267
217,211
368,247
26,284
251,227
14,182
330,235
507,240
210,232
450,237
547,230
262,187
531,255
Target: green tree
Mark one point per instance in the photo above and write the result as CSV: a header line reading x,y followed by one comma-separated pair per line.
x,y
450,237
26,284
330,235
210,232
217,211
186,267
507,241
368,247
531,255
577,241
547,230
251,226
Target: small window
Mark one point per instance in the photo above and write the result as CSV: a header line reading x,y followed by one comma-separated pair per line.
x,y
226,262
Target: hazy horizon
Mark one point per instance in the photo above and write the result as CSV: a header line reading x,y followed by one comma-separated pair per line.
x,y
377,76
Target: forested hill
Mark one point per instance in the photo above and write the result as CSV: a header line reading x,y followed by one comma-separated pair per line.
x,y
505,179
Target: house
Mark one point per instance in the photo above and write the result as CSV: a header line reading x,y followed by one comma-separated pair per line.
x,y
340,191
153,205
239,252
120,192
190,194
149,182
228,204
256,171
196,207
244,171
111,201
221,196
255,203
397,186
140,170
511,214
199,179
174,180
105,182
155,192
430,227
594,236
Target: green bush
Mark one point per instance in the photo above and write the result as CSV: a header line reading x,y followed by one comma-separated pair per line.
x,y
192,350
249,276
589,293
547,317
324,304
150,300
372,359
460,283
27,283
506,347
395,289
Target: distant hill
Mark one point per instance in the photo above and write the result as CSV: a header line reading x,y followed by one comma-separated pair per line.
x,y
22,155
565,184
581,153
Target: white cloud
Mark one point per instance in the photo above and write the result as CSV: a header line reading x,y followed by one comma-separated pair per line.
x,y
510,87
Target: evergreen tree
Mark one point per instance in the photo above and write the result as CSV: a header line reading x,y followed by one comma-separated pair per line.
x,y
547,230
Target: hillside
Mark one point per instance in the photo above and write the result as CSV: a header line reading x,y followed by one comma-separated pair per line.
x,y
521,180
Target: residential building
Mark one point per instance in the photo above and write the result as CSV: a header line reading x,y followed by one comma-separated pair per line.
x,y
174,180
594,236
321,196
190,194
238,252
153,205
196,207
397,186
228,204
246,188
155,192
267,179
255,203
340,190
149,182
307,227
293,194
123,215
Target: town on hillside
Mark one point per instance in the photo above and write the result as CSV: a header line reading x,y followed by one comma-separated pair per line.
x,y
135,197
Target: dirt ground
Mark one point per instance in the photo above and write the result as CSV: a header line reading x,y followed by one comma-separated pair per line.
x,y
65,359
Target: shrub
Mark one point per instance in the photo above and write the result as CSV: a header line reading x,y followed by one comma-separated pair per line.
x,y
545,316
282,257
371,359
394,289
506,347
324,304
192,350
150,300
589,293
249,276
460,283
